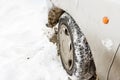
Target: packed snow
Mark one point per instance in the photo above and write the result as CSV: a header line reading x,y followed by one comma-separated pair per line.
x,y
107,43
25,50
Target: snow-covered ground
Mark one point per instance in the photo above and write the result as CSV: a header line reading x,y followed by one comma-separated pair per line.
x,y
25,50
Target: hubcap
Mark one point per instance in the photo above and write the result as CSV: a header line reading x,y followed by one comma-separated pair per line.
x,y
66,48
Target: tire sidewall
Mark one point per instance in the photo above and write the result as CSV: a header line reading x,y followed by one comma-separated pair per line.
x,y
83,63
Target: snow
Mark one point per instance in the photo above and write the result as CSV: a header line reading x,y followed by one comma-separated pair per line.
x,y
108,43
25,50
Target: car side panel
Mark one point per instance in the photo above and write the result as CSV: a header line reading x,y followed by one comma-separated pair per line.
x,y
103,38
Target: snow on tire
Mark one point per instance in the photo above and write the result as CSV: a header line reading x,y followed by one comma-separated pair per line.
x,y
74,50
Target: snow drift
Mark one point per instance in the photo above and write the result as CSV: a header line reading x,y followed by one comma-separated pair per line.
x,y
25,50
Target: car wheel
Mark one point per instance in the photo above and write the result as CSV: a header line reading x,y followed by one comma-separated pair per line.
x,y
74,50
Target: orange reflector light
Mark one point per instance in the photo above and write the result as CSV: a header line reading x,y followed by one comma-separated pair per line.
x,y
105,20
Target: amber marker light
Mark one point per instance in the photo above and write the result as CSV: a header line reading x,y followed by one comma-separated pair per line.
x,y
105,20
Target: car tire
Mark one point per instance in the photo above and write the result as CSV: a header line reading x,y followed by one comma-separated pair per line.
x,y
74,50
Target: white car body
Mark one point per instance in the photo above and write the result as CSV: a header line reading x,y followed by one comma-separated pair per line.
x,y
102,38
